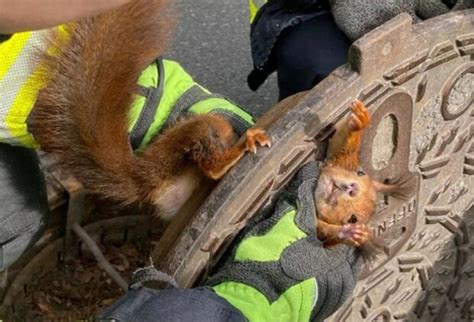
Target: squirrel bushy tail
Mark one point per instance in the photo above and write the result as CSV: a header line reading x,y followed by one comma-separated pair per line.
x,y
92,72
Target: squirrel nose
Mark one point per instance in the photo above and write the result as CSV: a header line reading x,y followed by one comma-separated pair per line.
x,y
350,188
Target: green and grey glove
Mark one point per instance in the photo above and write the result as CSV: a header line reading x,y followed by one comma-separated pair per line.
x,y
278,270
357,17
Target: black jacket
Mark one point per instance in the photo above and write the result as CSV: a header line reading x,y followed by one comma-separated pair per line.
x,y
272,18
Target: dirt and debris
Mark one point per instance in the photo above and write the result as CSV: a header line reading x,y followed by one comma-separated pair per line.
x,y
79,289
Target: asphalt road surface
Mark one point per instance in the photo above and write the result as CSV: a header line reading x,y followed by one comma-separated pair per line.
x,y
211,42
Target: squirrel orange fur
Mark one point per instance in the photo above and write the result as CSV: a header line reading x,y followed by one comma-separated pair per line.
x,y
82,113
345,195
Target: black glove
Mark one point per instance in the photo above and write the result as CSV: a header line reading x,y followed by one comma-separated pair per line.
x,y
357,17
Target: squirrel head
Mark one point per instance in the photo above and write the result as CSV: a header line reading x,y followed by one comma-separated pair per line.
x,y
349,196
344,196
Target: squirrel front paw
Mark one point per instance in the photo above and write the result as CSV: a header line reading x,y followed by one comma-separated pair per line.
x,y
360,116
355,235
254,136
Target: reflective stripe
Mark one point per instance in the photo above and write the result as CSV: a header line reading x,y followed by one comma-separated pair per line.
x,y
19,85
17,117
149,109
176,82
239,124
22,67
181,95
193,95
198,100
10,51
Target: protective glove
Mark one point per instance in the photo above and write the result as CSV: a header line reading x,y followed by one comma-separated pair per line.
x,y
357,17
278,270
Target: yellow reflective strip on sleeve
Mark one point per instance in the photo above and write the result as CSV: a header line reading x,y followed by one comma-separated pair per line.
x,y
29,81
62,34
20,131
10,49
16,118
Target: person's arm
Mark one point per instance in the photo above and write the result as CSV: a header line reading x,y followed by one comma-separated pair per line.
x,y
22,15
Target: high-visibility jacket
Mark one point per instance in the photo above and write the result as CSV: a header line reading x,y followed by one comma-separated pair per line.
x,y
167,92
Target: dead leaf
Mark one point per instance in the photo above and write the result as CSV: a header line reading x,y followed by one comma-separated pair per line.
x,y
107,302
45,308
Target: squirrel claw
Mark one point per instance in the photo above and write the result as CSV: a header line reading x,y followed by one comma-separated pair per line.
x,y
254,136
360,116
354,234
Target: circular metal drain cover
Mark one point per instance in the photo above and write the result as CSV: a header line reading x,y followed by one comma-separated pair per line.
x,y
417,81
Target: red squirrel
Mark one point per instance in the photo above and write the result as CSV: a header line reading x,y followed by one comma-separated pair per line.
x,y
345,197
82,113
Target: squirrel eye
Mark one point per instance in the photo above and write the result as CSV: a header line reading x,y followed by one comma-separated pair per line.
x,y
353,219
360,173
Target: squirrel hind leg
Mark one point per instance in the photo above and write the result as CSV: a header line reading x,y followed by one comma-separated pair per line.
x,y
171,196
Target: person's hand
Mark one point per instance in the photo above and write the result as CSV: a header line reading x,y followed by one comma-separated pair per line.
x,y
279,270
357,17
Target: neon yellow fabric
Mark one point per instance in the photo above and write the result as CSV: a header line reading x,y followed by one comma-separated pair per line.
x,y
254,6
21,79
10,50
21,108
210,104
177,81
252,10
270,246
295,304
19,88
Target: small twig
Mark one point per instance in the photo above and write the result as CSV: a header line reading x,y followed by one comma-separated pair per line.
x,y
101,260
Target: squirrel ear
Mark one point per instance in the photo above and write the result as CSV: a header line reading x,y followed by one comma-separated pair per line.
x,y
384,188
402,188
392,190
